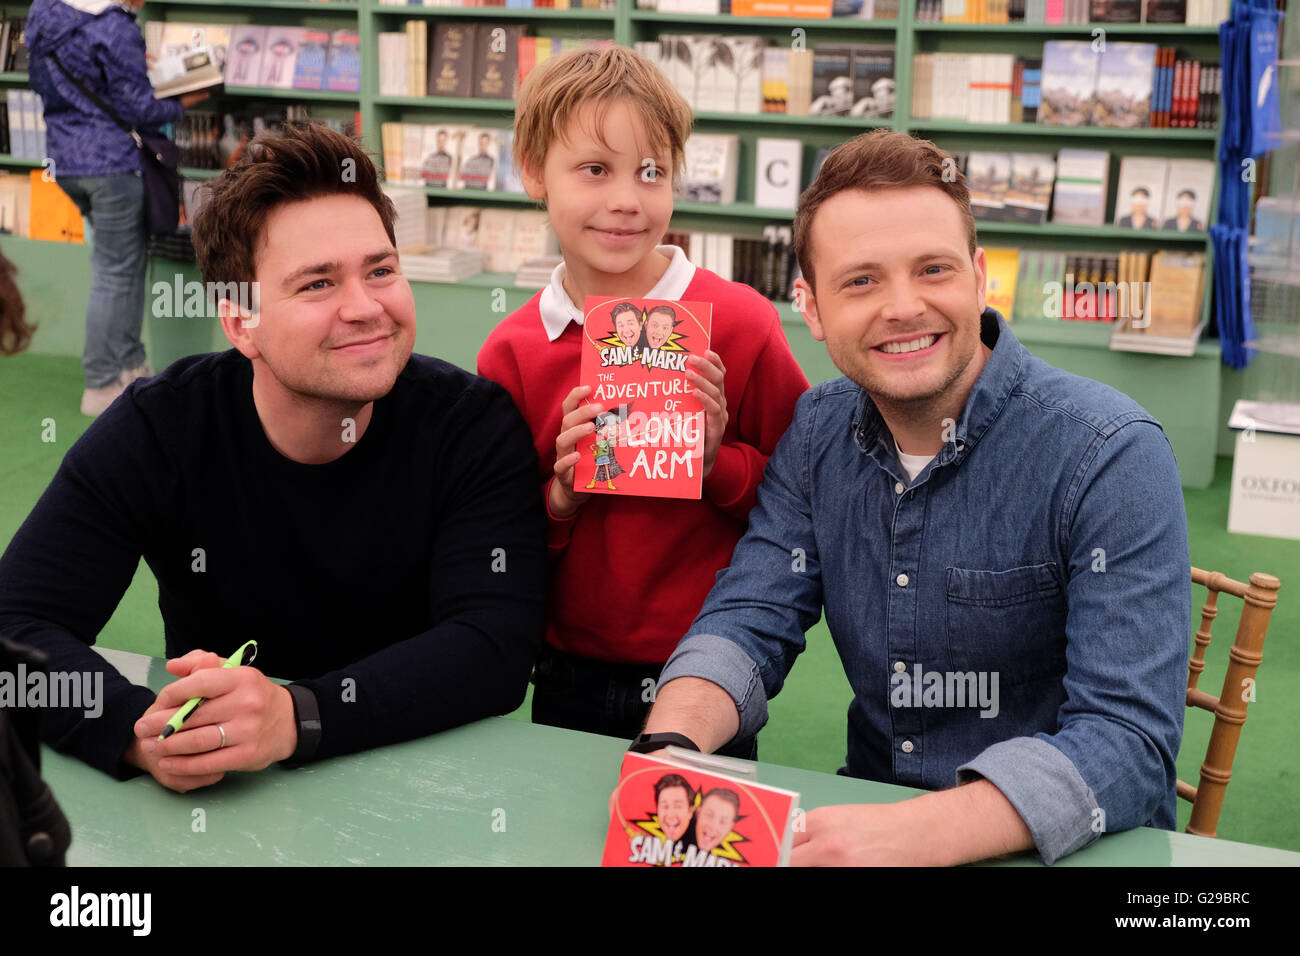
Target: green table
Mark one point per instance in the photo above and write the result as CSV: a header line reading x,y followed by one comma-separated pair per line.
x,y
496,792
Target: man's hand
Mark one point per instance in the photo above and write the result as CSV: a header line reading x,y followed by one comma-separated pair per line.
x,y
256,715
870,834
707,375
944,828
197,96
574,426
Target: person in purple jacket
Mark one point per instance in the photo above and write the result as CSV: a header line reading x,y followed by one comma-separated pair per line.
x,y
98,166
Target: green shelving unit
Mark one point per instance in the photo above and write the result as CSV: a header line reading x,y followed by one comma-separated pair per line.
x,y
1192,425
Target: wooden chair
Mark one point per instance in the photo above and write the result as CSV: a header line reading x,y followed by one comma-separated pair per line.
x,y
1229,708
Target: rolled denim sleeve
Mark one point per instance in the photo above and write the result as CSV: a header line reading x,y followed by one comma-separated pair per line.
x,y
1129,605
751,627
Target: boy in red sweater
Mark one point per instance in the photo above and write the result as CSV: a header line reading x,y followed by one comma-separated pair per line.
x,y
598,137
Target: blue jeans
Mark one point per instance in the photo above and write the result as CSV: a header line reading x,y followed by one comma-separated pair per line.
x,y
119,262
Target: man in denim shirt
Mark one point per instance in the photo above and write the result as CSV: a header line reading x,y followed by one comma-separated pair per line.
x,y
1000,548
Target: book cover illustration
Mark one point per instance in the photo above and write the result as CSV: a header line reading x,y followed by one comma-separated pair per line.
x,y
1187,197
988,176
873,82
1030,191
477,168
441,147
667,812
832,82
280,57
649,440
1069,83
1124,83
343,64
244,62
1140,195
309,68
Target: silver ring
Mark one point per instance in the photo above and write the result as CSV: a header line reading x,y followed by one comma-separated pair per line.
x,y
223,735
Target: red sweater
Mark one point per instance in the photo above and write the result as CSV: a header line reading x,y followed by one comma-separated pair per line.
x,y
629,574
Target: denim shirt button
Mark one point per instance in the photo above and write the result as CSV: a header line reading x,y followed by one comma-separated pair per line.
x,y
898,488
902,580
908,746
899,666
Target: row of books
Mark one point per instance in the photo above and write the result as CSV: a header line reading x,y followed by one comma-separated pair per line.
x,y
23,124
509,4
13,45
212,141
450,157
764,263
1189,12
300,58
195,56
1152,192
1126,85
506,239
1156,297
1122,86
813,9
744,74
481,60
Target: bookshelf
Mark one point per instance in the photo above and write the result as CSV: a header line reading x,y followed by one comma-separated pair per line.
x,y
1192,422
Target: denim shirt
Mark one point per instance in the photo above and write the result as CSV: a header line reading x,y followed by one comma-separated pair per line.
x,y
1019,612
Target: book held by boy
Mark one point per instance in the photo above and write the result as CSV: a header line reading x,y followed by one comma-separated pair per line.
x,y
649,440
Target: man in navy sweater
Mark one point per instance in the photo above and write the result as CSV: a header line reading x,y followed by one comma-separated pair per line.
x,y
369,516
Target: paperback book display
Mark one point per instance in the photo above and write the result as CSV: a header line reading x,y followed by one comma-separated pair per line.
x,y
1129,85
193,56
697,810
812,9
748,74
1152,192
1156,294
765,263
1191,12
515,4
485,60
471,158
650,439
1155,193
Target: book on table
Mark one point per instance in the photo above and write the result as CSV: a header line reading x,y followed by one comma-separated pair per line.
x,y
682,808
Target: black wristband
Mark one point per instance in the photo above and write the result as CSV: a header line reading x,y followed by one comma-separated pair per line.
x,y
645,743
307,716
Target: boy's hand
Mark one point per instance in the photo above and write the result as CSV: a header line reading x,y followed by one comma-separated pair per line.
x,y
707,375
576,425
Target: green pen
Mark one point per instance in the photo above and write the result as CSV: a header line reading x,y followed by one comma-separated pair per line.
x,y
244,655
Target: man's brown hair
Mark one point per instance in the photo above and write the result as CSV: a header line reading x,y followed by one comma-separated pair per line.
x,y
880,159
556,90
302,161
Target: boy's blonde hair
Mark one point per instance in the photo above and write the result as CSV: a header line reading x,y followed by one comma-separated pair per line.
x,y
556,90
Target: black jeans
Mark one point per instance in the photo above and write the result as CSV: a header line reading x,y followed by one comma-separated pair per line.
x,y
579,693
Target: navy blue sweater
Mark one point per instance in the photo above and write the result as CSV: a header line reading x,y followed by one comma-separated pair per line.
x,y
414,564
106,52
